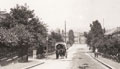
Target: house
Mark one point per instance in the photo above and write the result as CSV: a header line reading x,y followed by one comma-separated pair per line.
x,y
2,15
115,32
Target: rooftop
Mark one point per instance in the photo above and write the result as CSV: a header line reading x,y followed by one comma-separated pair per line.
x,y
112,31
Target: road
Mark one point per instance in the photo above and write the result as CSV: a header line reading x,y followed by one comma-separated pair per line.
x,y
77,59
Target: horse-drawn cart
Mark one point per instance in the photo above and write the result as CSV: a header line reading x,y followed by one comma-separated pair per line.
x,y
61,50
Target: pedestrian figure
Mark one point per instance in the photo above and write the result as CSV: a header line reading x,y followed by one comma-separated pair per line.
x,y
96,52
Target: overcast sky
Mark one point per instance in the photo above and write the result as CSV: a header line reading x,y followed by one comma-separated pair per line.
x,y
77,13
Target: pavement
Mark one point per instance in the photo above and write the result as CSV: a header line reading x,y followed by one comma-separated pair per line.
x,y
26,65
107,62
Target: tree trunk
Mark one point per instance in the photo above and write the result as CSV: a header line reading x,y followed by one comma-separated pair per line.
x,y
23,54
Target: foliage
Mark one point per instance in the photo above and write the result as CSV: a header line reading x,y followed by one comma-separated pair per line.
x,y
8,38
24,37
95,34
22,14
51,43
108,45
71,37
96,29
22,29
56,36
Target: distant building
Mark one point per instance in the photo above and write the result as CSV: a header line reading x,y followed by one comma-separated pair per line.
x,y
115,32
76,39
79,37
82,38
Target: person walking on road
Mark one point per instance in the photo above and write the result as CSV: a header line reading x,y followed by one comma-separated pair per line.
x,y
96,52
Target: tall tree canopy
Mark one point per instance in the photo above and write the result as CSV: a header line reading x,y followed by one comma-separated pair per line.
x,y
23,28
95,34
96,29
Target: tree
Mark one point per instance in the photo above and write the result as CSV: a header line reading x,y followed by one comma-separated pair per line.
x,y
56,36
95,34
39,30
28,29
108,45
17,15
89,37
96,29
8,43
22,14
71,37
25,40
51,43
8,38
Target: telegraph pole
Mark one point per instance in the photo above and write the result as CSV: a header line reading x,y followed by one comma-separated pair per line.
x,y
103,22
65,31
103,26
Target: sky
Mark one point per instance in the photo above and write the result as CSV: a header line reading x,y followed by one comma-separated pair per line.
x,y
78,14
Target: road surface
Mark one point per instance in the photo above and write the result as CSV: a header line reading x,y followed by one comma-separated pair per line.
x,y
77,59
